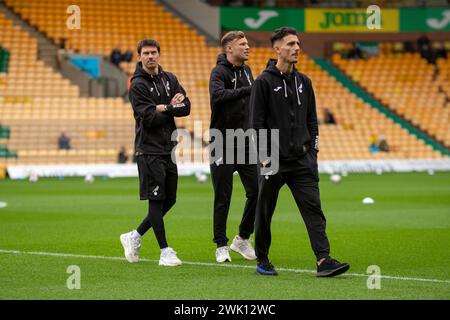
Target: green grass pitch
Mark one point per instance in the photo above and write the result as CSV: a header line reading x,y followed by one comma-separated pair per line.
x,y
406,233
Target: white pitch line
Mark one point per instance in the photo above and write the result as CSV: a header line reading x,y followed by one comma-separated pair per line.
x,y
207,264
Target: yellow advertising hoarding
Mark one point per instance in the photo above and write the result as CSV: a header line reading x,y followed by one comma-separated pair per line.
x,y
350,20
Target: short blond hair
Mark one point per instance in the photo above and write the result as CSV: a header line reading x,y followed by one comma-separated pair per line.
x,y
230,37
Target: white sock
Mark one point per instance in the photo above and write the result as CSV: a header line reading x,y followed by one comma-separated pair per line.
x,y
165,249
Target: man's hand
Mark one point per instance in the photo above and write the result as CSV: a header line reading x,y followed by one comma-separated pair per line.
x,y
160,108
178,98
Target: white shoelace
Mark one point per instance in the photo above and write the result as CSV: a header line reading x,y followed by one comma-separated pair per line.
x,y
244,244
169,252
223,250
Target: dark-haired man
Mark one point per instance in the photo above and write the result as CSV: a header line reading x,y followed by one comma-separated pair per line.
x,y
229,88
283,99
157,97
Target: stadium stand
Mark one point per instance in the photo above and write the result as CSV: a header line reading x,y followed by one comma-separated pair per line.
x,y
37,104
412,92
98,127
105,27
443,79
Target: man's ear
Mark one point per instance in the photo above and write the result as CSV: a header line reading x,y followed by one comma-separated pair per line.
x,y
276,47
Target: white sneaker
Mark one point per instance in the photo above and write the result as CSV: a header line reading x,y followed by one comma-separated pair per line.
x,y
223,254
131,244
169,258
244,247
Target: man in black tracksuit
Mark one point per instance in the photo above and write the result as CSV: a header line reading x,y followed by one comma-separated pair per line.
x,y
230,87
156,97
282,98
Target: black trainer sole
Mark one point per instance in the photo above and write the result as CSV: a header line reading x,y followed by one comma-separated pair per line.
x,y
333,272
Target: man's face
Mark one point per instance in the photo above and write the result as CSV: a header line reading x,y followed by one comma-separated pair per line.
x,y
288,48
149,57
239,49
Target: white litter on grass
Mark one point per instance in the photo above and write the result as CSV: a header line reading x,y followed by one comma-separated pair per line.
x,y
201,177
379,171
3,205
368,200
89,178
34,177
431,172
335,178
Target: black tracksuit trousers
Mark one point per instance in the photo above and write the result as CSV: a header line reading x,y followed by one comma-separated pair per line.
x,y
302,178
222,179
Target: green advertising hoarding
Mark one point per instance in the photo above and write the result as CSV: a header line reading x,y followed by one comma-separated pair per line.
x,y
334,20
430,19
266,19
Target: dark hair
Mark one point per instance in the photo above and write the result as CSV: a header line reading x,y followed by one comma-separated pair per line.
x,y
147,43
229,37
282,32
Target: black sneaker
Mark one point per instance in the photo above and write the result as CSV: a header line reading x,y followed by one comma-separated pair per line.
x,y
331,267
265,268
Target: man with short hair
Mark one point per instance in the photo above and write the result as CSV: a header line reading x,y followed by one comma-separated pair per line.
x,y
283,99
157,97
230,87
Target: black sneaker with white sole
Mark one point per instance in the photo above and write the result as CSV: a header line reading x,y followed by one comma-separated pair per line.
x,y
331,267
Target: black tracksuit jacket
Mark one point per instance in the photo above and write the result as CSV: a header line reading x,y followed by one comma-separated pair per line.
x,y
286,102
154,129
229,89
